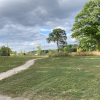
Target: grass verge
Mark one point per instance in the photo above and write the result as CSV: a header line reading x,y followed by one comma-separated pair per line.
x,y
60,78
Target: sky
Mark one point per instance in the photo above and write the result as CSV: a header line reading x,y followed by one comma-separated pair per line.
x,y
27,23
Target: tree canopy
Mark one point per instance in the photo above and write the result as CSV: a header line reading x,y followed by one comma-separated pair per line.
x,y
39,49
86,28
58,36
5,51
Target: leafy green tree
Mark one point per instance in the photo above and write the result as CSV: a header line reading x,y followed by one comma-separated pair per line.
x,y
87,25
59,36
31,53
24,51
21,53
79,50
65,49
50,51
39,49
74,46
69,48
4,51
13,53
54,51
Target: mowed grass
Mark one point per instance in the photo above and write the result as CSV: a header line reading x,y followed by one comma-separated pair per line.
x,y
7,63
62,78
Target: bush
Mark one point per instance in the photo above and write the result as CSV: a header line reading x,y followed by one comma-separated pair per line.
x,y
4,51
79,50
59,55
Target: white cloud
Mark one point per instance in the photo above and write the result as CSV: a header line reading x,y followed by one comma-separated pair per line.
x,y
67,28
70,40
20,21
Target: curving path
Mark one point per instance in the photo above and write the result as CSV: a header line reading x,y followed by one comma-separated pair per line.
x,y
15,71
9,98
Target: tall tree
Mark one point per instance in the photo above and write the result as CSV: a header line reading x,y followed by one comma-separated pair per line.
x,y
87,25
65,49
4,51
21,53
39,49
58,36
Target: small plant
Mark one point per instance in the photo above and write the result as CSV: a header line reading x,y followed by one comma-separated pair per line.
x,y
39,49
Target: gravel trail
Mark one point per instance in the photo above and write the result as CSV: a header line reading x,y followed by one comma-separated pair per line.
x,y
15,71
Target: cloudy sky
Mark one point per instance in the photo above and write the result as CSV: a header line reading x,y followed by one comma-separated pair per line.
x,y
27,23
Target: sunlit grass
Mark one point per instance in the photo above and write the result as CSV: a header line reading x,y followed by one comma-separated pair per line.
x,y
63,78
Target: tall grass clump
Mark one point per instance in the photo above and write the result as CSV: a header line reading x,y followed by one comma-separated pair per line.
x,y
83,54
59,54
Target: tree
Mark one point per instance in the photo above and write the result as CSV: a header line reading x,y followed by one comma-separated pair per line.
x,y
13,53
24,51
49,51
39,49
79,50
86,28
59,36
5,51
21,53
65,49
69,48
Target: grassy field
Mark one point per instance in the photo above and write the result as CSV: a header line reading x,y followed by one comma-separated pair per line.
x,y
63,78
7,63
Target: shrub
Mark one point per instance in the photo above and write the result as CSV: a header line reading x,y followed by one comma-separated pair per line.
x,y
79,50
59,55
4,51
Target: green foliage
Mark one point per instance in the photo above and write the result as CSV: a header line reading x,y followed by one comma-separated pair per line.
x,y
79,50
50,51
60,55
60,51
59,36
21,53
39,49
71,48
13,53
4,51
65,49
86,28
98,47
24,51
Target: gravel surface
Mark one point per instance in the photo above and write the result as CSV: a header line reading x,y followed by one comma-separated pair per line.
x,y
17,69
2,97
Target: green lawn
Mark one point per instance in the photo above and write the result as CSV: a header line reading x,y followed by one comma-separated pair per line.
x,y
7,63
63,78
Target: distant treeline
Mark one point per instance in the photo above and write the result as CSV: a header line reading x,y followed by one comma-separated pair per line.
x,y
4,51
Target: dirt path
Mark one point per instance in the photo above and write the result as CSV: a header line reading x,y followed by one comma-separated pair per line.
x,y
9,98
15,71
